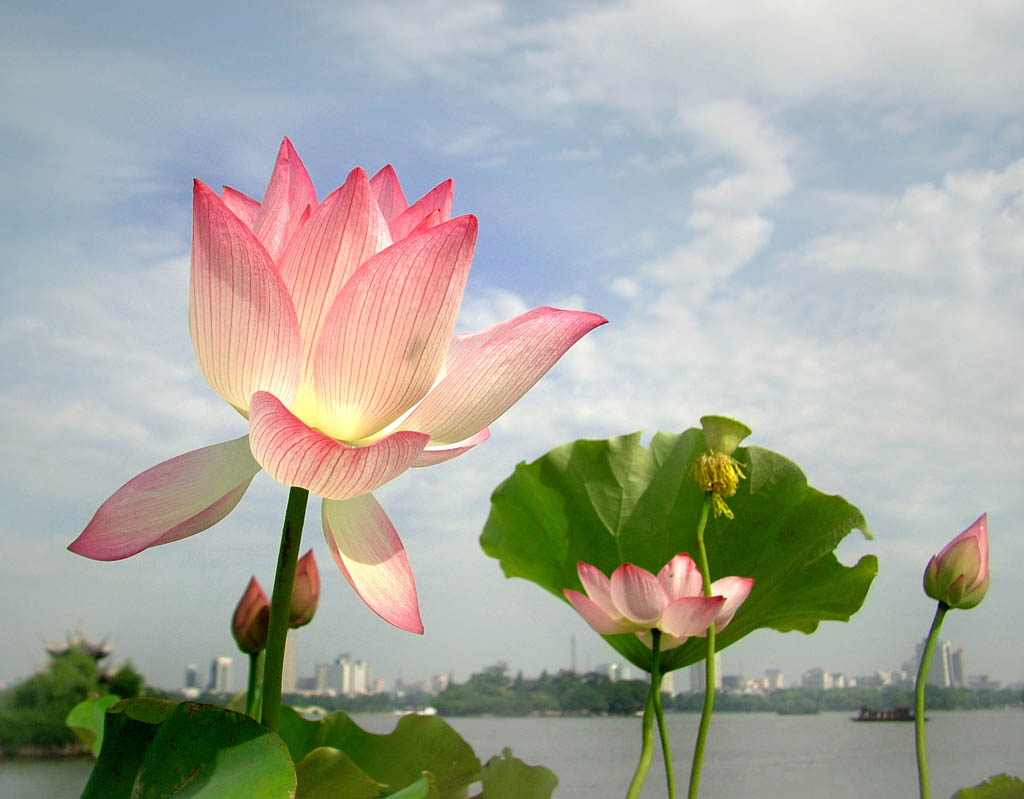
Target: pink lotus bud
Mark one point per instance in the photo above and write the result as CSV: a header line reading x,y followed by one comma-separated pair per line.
x,y
306,593
252,616
958,575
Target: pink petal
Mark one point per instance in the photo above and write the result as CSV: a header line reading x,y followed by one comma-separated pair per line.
x,y
241,205
680,577
345,231
244,330
434,455
297,455
598,588
690,615
288,194
370,554
489,373
174,499
638,595
436,204
384,341
388,192
735,590
593,615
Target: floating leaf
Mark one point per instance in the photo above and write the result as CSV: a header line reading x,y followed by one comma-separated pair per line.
x,y
326,773
507,777
398,759
86,720
155,749
1001,786
614,501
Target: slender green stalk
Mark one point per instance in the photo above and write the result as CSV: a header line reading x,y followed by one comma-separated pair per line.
x,y
922,680
254,691
659,713
709,663
280,605
646,728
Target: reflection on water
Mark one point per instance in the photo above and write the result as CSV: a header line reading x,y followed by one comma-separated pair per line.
x,y
752,755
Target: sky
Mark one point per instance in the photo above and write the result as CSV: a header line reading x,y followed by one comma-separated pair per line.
x,y
808,216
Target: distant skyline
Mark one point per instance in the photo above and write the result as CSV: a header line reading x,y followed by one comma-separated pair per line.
x,y
806,216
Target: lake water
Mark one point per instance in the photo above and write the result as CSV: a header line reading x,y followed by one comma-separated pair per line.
x,y
750,755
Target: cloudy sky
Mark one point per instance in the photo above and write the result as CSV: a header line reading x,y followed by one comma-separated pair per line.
x,y
807,216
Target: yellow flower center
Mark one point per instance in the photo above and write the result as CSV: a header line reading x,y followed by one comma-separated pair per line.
x,y
719,475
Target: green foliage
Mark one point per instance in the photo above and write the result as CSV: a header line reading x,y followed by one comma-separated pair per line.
x,y
33,714
418,744
126,682
613,501
1001,786
155,749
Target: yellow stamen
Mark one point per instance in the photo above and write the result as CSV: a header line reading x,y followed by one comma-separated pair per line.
x,y
719,475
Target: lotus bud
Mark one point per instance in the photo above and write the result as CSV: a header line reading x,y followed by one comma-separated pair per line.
x,y
252,616
718,473
306,591
958,575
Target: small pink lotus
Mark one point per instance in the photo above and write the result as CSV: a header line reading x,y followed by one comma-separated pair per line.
x,y
958,575
635,601
251,619
328,326
305,592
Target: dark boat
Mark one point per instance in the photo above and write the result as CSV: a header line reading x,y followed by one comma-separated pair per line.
x,y
885,714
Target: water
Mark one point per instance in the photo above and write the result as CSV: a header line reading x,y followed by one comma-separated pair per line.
x,y
750,755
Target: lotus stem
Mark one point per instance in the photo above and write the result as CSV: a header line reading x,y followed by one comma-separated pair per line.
x,y
709,663
280,605
254,691
659,713
922,680
646,728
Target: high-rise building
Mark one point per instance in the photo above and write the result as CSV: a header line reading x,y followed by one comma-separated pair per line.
x,y
958,669
192,676
698,675
940,672
220,676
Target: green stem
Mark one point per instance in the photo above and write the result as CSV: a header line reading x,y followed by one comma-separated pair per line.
x,y
280,605
254,692
659,713
709,662
646,731
922,680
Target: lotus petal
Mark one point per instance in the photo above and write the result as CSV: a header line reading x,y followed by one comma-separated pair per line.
x,y
491,371
435,205
297,455
289,193
244,330
172,500
690,616
735,590
370,554
595,616
638,595
680,577
385,339
388,191
431,456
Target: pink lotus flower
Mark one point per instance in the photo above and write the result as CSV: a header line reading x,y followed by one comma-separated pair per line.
x,y
305,592
958,575
635,601
251,619
329,327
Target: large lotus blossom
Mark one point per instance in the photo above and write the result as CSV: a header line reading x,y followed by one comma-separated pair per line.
x,y
959,575
635,601
329,327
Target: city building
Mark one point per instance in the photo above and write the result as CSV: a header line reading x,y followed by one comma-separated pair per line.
x,y
220,676
698,675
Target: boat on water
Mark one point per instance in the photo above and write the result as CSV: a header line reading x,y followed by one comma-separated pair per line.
x,y
885,714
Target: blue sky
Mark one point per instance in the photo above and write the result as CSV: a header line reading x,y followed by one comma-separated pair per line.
x,y
806,216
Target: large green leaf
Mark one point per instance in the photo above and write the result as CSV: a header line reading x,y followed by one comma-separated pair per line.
x,y
326,773
615,501
398,759
86,720
1001,786
507,777
154,749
